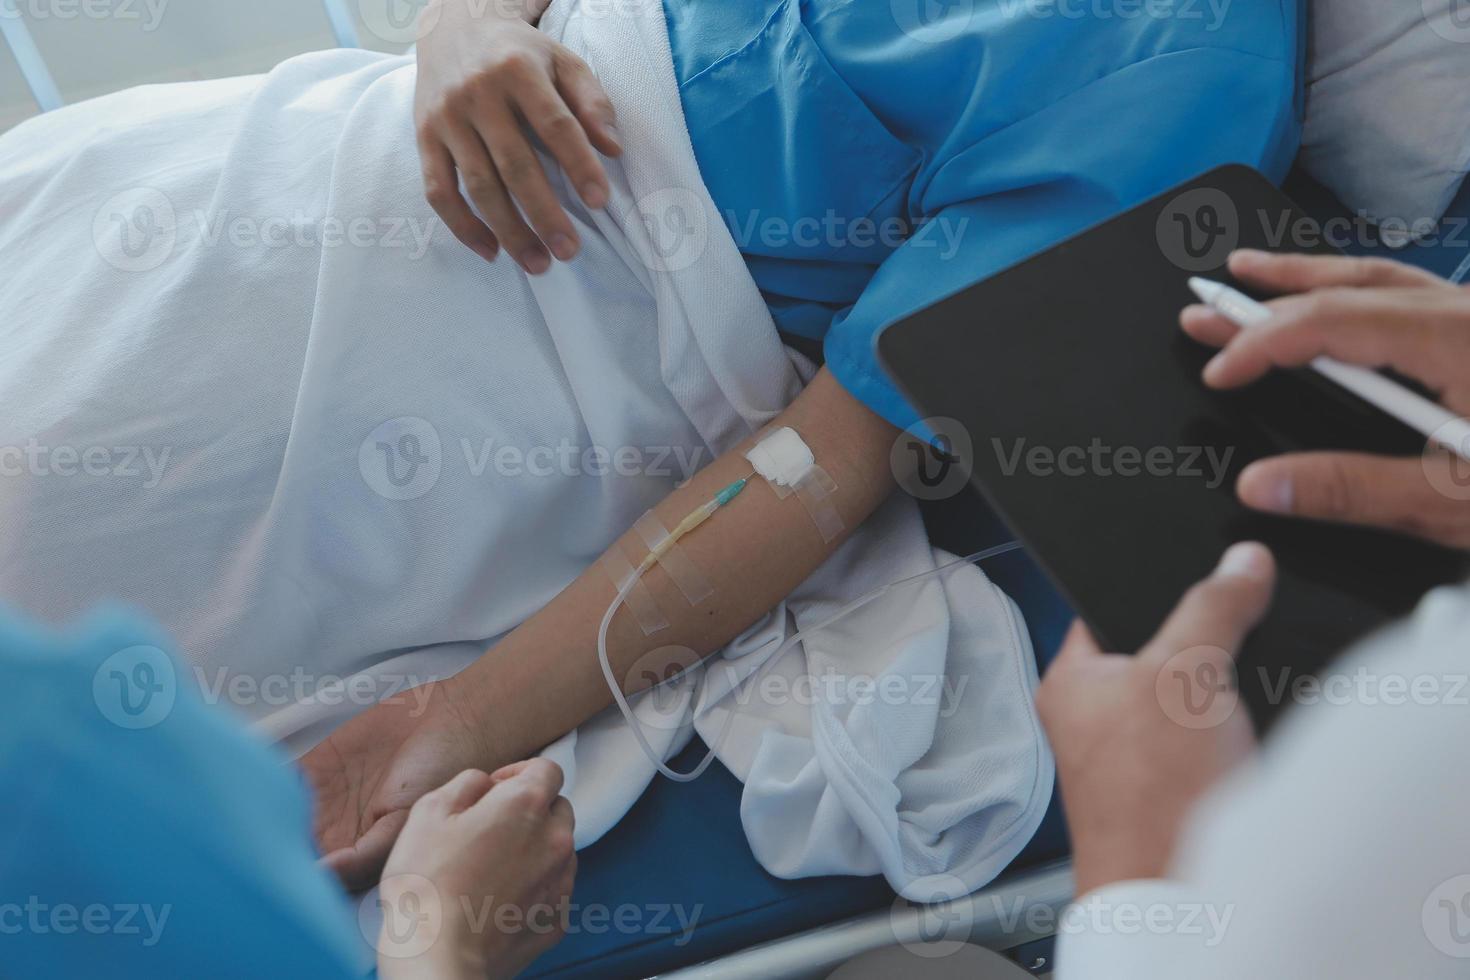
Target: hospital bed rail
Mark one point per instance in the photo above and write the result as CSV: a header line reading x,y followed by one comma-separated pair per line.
x,y
1000,916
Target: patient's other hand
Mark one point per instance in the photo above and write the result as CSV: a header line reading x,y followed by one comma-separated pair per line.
x,y
369,772
485,75
1363,311
484,868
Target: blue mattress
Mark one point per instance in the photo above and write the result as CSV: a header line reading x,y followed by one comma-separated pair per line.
x,y
681,849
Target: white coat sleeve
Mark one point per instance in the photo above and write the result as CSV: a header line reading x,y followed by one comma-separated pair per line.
x,y
1341,853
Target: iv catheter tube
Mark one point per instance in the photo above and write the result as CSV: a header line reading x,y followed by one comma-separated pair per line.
x,y
858,603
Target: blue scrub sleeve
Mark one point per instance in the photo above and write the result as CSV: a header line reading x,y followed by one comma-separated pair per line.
x,y
1114,143
145,834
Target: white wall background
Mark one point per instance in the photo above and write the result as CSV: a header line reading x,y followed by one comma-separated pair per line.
x,y
98,46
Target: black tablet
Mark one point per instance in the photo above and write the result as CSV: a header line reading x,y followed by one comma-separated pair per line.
x,y
1066,390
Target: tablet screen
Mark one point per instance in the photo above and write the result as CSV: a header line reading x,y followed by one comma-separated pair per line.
x,y
1075,403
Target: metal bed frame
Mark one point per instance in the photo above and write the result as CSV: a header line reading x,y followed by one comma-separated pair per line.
x,y
38,77
1000,916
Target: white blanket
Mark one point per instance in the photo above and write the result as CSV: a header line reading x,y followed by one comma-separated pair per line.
x,y
252,386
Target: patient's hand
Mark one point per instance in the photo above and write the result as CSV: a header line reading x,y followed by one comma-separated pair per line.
x,y
485,73
368,773
1363,311
1136,743
483,871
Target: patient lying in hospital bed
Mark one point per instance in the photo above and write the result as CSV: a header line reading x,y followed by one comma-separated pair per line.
x,y
384,454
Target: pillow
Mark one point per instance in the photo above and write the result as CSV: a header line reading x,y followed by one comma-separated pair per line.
x,y
1388,107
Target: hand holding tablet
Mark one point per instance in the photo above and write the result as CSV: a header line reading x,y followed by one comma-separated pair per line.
x,y
1076,356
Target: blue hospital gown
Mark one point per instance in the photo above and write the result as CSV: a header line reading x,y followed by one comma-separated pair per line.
x,y
992,128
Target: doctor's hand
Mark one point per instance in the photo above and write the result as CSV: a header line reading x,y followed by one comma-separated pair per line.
x,y
1138,739
479,881
368,773
487,79
1363,311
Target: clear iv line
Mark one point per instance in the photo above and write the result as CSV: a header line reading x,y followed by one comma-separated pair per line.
x,y
709,508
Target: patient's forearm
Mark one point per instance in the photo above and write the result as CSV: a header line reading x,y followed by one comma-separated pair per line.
x,y
544,679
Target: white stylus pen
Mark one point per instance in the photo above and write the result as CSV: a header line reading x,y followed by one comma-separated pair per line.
x,y
1435,422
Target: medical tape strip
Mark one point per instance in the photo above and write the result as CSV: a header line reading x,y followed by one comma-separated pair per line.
x,y
815,493
638,600
679,566
788,465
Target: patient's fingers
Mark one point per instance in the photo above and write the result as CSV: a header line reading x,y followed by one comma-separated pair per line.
x,y
521,171
564,137
585,97
359,865
441,188
567,139
1216,614
484,185
1295,273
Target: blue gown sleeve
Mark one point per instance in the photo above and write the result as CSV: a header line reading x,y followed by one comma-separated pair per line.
x,y
144,833
1106,146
